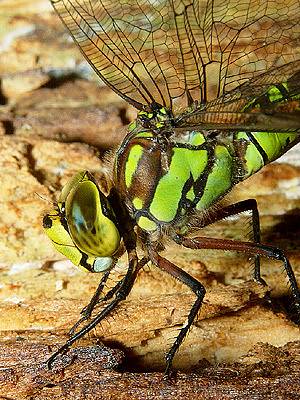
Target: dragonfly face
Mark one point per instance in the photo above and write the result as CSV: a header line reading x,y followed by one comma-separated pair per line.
x,y
217,87
82,226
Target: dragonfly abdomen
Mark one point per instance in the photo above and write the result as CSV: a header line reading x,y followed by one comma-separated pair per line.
x,y
261,148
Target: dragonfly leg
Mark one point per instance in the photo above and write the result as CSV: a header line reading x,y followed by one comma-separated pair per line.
x,y
86,312
238,208
248,248
120,294
194,285
114,289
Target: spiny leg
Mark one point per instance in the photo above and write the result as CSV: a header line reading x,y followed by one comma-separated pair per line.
x,y
115,288
121,294
248,248
238,208
194,285
87,310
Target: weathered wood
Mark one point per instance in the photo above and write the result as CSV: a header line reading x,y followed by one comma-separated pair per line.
x,y
265,373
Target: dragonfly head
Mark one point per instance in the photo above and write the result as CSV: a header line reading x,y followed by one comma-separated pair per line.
x,y
156,117
82,226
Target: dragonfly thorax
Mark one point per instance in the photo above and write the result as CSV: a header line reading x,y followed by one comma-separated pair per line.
x,y
156,176
163,179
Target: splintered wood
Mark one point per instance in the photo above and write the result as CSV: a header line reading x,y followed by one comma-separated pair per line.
x,y
265,373
243,345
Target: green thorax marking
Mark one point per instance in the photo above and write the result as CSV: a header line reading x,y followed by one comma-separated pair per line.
x,y
162,176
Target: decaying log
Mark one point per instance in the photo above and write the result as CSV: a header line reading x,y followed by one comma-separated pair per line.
x,y
265,373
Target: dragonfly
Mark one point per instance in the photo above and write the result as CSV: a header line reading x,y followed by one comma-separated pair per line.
x,y
216,84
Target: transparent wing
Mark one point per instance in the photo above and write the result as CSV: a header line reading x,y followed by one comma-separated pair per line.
x,y
177,51
269,102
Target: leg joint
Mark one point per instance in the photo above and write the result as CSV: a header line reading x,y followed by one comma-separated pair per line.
x,y
279,254
200,291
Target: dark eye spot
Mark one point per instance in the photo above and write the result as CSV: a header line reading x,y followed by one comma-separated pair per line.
x,y
93,231
47,222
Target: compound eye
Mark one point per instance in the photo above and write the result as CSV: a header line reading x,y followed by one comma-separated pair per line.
x,y
71,184
63,243
82,226
92,231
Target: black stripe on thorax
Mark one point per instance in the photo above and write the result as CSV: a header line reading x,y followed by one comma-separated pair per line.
x,y
200,183
261,151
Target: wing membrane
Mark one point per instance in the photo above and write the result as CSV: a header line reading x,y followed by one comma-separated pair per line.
x,y
246,108
175,52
